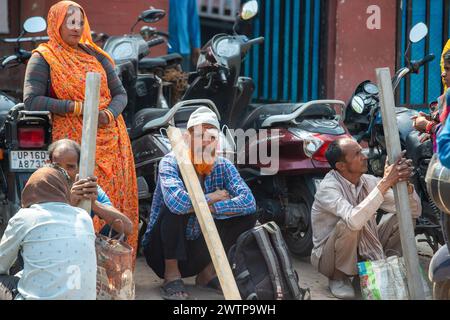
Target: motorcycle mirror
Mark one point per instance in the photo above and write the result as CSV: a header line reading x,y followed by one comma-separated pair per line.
x,y
418,32
152,15
249,10
358,104
34,25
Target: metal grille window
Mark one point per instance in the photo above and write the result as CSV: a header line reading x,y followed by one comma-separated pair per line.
x,y
419,90
286,66
219,9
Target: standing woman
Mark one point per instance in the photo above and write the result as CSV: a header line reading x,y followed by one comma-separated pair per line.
x,y
55,81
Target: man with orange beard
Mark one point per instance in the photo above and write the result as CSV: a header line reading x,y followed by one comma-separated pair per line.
x,y
174,246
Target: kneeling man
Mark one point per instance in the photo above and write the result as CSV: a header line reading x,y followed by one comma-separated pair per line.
x,y
344,212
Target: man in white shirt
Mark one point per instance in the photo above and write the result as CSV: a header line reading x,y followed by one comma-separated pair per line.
x,y
344,211
56,240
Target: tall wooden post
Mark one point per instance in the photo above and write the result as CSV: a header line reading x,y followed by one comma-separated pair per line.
x,y
415,286
205,219
89,135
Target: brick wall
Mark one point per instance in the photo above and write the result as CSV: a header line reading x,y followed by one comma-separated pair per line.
x,y
113,17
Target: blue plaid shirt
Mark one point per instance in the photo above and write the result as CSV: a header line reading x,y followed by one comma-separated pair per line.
x,y
170,189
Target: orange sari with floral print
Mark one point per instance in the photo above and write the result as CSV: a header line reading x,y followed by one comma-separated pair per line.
x,y
114,158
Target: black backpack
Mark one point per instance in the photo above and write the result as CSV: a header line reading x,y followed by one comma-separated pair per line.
x,y
262,266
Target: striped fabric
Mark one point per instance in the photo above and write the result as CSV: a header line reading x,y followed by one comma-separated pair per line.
x,y
38,94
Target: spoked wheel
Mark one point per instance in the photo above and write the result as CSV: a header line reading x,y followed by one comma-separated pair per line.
x,y
433,235
298,235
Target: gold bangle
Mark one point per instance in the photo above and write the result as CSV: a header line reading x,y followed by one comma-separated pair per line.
x,y
77,108
110,115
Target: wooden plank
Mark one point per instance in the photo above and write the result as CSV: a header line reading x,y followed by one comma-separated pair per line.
x,y
205,219
415,286
89,135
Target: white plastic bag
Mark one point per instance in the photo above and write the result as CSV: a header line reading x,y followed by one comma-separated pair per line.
x,y
385,279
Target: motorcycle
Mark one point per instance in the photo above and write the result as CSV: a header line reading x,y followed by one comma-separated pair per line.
x,y
438,186
363,119
138,73
302,132
24,135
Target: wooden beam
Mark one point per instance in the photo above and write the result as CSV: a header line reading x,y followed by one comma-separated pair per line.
x,y
407,237
89,135
205,219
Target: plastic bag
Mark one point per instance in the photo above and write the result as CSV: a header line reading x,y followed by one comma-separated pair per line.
x,y
114,269
385,279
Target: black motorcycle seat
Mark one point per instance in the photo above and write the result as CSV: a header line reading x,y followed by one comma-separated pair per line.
x,y
258,113
148,114
172,58
150,63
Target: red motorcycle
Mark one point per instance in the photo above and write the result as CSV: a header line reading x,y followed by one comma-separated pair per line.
x,y
284,180
297,136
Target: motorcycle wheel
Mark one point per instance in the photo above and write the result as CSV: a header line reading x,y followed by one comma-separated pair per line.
x,y
299,239
434,238
441,290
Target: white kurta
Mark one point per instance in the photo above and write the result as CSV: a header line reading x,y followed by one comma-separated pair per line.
x,y
57,242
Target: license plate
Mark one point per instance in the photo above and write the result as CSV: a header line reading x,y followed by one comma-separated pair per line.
x,y
25,160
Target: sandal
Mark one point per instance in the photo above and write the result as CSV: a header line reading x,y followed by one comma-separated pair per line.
x,y
171,290
213,285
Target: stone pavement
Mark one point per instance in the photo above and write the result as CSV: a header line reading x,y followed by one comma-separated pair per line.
x,y
147,283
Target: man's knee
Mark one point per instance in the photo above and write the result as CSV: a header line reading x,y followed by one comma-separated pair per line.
x,y
343,232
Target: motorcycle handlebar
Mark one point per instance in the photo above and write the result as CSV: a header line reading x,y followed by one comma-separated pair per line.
x,y
162,33
27,39
415,65
155,42
9,59
22,56
256,41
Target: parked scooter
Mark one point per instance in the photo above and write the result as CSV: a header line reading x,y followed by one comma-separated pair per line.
x,y
302,131
24,135
363,119
137,72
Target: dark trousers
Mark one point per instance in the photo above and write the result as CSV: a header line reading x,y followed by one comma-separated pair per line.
x,y
8,287
168,241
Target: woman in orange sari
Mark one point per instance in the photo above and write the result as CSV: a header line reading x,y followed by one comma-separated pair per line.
x,y
55,81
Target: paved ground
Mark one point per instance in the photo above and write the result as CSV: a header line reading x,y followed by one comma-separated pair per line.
x,y
147,283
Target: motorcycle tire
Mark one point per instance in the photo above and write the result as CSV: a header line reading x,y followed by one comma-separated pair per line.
x,y
441,290
299,241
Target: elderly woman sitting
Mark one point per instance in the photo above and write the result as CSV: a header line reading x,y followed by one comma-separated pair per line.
x,y
56,241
